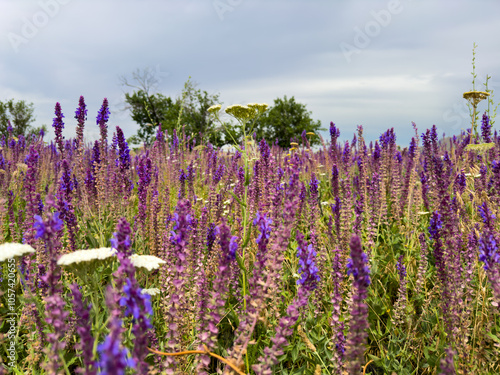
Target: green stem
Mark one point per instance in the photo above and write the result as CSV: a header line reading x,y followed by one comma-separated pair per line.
x,y
66,369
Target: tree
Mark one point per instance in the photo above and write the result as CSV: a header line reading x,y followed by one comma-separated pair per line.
x,y
20,116
285,121
150,110
186,113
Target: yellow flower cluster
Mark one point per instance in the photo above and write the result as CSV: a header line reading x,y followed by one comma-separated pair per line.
x,y
214,109
475,96
259,107
482,147
246,112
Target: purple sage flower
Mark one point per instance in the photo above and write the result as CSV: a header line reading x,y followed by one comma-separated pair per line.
x,y
58,125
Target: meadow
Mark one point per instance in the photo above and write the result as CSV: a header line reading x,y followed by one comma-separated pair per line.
x,y
354,258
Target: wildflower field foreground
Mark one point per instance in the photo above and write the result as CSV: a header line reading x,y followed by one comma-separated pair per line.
x,y
355,258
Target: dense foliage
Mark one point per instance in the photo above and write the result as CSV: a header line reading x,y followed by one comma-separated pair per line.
x,y
285,121
356,257
16,118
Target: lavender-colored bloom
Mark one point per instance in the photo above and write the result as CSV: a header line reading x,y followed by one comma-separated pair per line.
x,y
313,185
486,128
47,229
264,224
121,240
334,132
178,252
182,226
30,183
346,154
219,173
227,242
211,236
65,206
101,120
58,125
81,117
135,301
182,180
358,267
488,250
447,364
124,151
308,270
175,140
221,281
159,134
144,171
412,149
265,151
113,358
376,152
461,182
486,215
337,325
84,324
96,155
401,268
435,225
56,315
398,157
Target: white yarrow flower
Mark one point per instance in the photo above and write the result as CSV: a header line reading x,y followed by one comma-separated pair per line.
x,y
151,291
12,250
148,262
81,256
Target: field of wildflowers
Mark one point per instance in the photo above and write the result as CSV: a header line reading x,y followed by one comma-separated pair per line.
x,y
179,258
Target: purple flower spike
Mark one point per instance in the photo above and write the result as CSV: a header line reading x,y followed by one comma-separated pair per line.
x,y
358,268
102,119
58,125
114,359
81,117
357,264
308,270
46,230
86,343
134,301
121,239
488,250
486,128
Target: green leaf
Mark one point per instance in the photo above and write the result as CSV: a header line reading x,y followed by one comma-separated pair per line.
x,y
237,199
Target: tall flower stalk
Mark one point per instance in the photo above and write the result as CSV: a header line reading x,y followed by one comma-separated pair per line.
x,y
358,268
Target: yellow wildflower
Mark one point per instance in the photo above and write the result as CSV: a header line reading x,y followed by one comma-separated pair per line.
x,y
475,96
241,112
214,109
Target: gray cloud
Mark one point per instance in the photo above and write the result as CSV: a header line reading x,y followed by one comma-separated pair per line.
x,y
413,66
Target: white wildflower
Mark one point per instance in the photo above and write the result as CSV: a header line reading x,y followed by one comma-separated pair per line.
x,y
151,291
148,262
324,203
90,255
11,250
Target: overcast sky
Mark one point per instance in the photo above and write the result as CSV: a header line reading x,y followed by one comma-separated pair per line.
x,y
379,64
